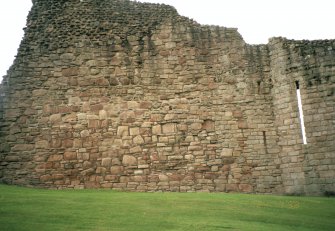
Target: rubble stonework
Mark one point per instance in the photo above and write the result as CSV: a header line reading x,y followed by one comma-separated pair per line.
x,y
131,96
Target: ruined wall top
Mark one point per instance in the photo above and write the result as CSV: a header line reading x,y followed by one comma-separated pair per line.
x,y
55,24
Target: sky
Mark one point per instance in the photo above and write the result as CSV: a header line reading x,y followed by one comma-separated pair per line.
x,y
256,20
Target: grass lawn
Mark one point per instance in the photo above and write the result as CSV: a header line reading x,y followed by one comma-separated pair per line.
x,y
37,209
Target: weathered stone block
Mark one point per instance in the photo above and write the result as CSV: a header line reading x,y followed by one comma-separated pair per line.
x,y
136,149
22,147
227,152
156,129
134,131
53,158
129,160
70,156
45,178
42,144
169,128
70,71
195,126
106,162
122,131
103,115
116,170
208,125
163,178
93,123
55,118
138,140
12,158
242,124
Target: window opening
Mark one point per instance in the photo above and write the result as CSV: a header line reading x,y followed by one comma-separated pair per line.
x,y
301,113
265,142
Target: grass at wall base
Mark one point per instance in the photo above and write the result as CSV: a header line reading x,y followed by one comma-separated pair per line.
x,y
38,209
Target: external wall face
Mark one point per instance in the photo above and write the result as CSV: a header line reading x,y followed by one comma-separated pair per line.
x,y
155,102
306,168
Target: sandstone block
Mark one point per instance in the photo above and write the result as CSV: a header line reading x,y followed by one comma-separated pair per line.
x,y
116,161
231,188
103,115
93,123
85,133
143,166
138,172
116,170
169,128
245,188
70,156
100,170
87,164
42,144
136,149
242,124
237,114
57,176
12,113
53,158
145,105
195,148
156,129
129,160
55,118
138,140
92,185
134,131
227,152
122,131
163,178
45,178
87,172
189,138
170,116
208,125
39,92
70,71
23,147
106,162
195,126
127,115
133,105
12,158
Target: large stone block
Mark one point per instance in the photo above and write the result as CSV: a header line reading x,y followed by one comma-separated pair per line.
x,y
42,144
169,128
73,71
123,131
106,162
70,156
129,160
22,147
227,152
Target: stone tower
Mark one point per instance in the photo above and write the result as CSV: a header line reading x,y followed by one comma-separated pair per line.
x,y
132,96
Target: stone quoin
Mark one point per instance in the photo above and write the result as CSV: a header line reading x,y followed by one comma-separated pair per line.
x,y
132,96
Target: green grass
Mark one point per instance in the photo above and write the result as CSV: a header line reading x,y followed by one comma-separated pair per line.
x,y
37,209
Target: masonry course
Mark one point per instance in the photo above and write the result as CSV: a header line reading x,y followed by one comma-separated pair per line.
x,y
132,96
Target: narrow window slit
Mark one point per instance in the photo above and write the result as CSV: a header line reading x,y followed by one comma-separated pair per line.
x,y
258,86
301,113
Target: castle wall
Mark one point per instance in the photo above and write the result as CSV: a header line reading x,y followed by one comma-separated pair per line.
x,y
306,168
158,102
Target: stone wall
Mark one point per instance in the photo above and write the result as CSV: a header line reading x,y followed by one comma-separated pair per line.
x,y
305,168
132,96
